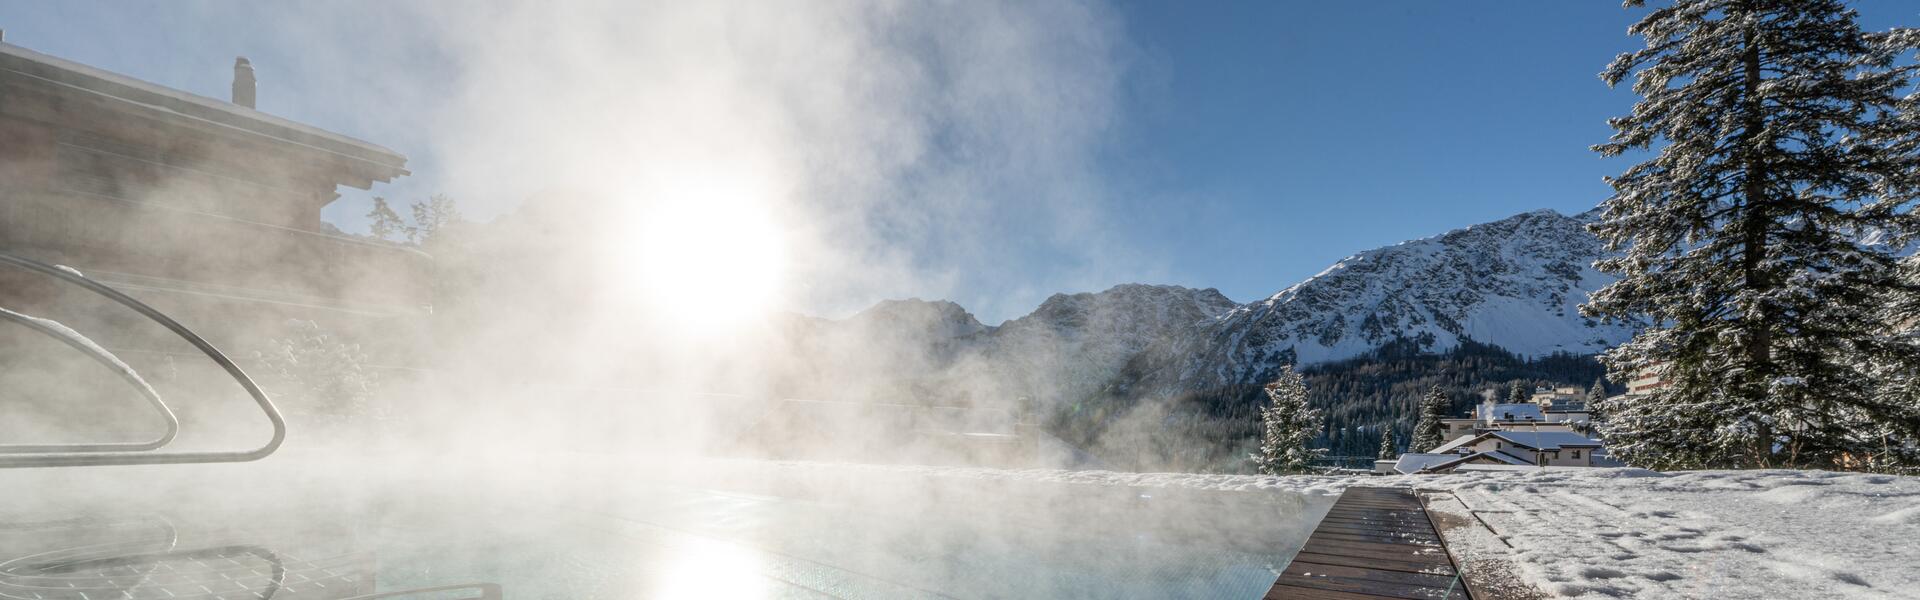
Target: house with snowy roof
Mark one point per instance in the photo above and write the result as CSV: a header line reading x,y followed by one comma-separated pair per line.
x,y
1517,448
1515,417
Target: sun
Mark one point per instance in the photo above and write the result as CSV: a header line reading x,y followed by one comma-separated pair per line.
x,y
710,258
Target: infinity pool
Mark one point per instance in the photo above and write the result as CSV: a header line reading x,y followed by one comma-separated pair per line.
x,y
247,532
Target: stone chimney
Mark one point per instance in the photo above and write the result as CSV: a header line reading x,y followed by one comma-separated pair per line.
x,y
243,82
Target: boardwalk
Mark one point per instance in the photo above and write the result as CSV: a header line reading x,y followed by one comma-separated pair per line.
x,y
1375,543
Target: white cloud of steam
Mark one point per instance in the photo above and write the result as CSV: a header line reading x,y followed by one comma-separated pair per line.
x,y
848,150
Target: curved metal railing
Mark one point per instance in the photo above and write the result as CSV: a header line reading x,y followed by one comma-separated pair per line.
x,y
99,355
10,458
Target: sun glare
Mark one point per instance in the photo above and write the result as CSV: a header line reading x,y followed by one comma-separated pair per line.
x,y
710,261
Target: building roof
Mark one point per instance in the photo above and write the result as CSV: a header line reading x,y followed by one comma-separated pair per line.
x,y
1456,443
1469,467
1511,412
1495,456
20,62
1545,440
1415,462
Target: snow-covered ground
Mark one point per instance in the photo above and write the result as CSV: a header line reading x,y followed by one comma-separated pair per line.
x,y
1598,533
1702,534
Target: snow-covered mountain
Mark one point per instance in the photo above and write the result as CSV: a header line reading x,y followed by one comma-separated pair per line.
x,y
1516,283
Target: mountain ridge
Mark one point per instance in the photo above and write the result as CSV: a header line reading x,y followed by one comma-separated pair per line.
x,y
1515,283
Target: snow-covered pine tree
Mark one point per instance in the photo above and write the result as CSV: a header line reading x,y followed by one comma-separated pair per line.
x,y
1784,144
1387,451
1518,393
1288,425
1429,433
1598,391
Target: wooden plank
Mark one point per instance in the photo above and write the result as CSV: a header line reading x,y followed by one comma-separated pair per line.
x,y
1377,514
1313,569
1377,538
1373,529
1412,516
1375,563
1379,523
1406,552
1289,592
1362,586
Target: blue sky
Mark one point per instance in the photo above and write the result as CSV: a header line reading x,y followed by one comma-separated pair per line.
x,y
1250,144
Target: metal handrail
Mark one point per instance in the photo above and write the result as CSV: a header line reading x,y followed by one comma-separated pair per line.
x,y
108,360
82,459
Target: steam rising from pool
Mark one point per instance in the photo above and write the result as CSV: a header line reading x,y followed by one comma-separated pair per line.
x,y
660,187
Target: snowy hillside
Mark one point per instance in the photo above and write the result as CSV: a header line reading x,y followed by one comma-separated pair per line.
x,y
1516,283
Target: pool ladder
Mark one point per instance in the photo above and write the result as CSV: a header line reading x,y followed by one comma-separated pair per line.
x,y
128,453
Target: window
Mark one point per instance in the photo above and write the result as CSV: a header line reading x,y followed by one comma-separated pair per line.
x,y
1576,454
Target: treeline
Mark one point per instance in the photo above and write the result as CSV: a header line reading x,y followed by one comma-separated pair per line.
x,y
1216,429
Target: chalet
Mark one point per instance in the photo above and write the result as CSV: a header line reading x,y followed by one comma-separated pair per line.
x,y
1539,448
207,209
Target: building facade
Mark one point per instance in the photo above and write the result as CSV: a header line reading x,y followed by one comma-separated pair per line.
x,y
207,209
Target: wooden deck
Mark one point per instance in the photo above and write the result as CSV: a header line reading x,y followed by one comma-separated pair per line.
x,y
1375,543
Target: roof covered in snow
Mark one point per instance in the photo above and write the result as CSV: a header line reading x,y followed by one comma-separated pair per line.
x,y
1511,412
1414,462
1546,440
1497,457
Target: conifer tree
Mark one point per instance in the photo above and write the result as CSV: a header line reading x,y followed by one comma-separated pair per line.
x,y
1759,243
1288,425
384,223
1517,393
1429,433
1387,451
1598,391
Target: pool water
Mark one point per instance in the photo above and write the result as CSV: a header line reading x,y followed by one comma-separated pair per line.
x,y
583,537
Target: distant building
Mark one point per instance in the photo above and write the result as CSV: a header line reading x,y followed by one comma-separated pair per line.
x,y
1517,417
1551,433
1647,379
1551,395
1538,448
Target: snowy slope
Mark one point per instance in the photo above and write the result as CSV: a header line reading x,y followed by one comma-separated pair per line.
x,y
1516,283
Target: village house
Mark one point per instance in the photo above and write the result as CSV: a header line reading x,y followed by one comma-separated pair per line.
x,y
1504,449
1553,432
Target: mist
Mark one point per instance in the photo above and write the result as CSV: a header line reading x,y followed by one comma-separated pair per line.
x,y
674,283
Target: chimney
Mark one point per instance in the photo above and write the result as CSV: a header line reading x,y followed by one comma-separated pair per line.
x,y
243,82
